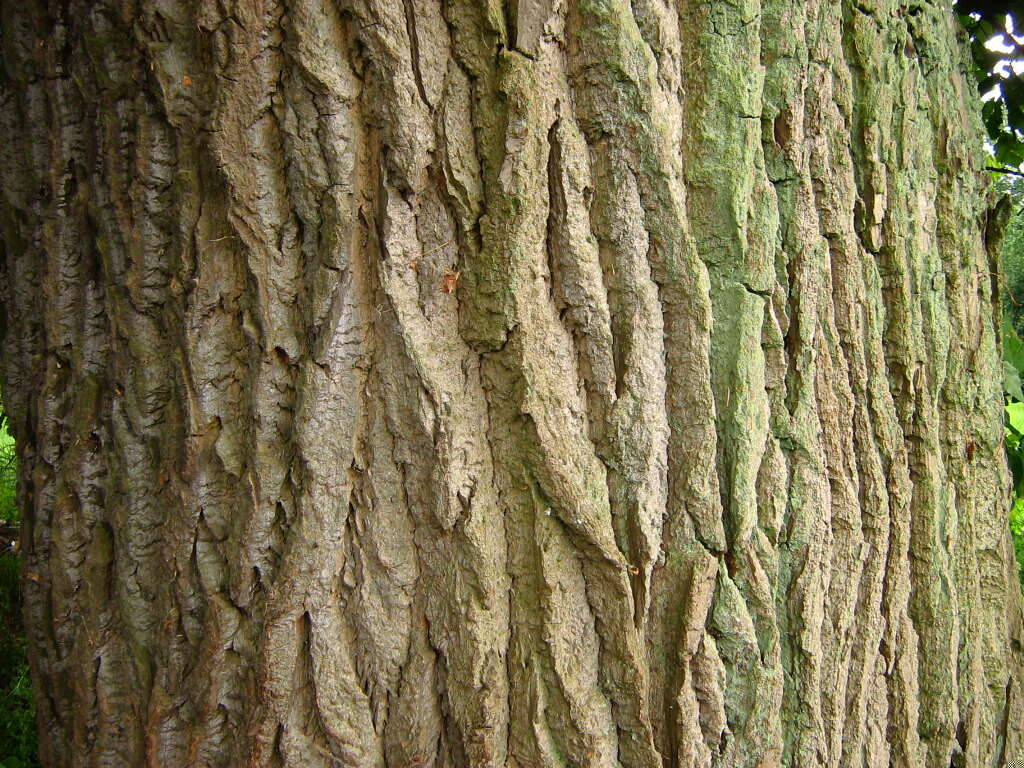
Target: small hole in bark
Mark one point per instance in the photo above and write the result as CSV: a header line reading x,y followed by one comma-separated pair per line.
x,y
282,356
730,563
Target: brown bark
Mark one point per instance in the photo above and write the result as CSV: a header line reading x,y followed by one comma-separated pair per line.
x,y
538,383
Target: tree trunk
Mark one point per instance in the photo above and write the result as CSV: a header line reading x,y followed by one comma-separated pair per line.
x,y
529,383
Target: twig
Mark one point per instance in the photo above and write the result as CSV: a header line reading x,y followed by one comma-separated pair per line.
x,y
442,245
1001,169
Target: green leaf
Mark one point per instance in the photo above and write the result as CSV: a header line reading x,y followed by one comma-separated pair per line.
x,y
1011,382
1013,347
1015,416
1009,150
1017,516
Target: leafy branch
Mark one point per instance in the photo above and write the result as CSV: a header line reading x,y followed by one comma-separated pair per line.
x,y
996,56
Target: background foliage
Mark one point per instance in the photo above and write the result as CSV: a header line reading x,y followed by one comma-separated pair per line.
x,y
1013,354
1013,255
988,24
17,705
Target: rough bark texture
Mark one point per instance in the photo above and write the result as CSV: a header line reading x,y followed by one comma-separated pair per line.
x,y
528,383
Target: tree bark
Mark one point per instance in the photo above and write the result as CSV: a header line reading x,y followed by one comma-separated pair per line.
x,y
529,383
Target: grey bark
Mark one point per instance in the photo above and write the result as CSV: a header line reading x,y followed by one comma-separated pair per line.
x,y
540,383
